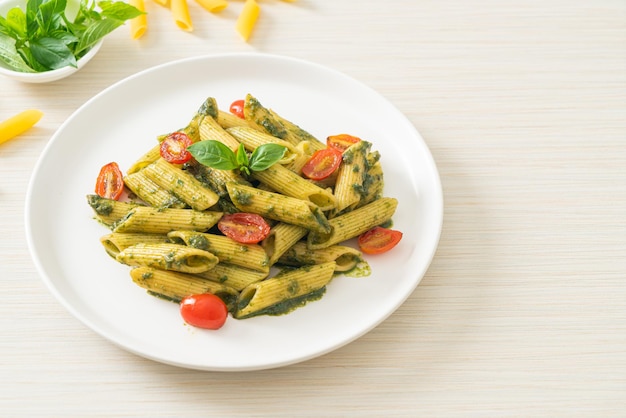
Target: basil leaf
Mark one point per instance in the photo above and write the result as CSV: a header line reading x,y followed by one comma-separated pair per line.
x,y
213,154
264,156
242,157
52,53
14,24
96,31
10,57
118,10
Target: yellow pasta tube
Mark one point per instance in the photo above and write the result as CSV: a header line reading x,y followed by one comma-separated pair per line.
x,y
247,19
114,243
354,223
213,6
164,3
291,184
181,184
282,237
146,159
176,286
19,124
139,24
167,256
180,13
278,207
227,250
296,134
251,138
257,298
345,258
161,221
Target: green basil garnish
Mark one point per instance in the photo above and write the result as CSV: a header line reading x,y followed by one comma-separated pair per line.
x,y
215,154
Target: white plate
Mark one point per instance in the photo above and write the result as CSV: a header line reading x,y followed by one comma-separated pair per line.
x,y
122,122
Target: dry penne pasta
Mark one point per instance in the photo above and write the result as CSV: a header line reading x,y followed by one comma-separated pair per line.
x,y
213,6
18,124
139,24
247,19
180,13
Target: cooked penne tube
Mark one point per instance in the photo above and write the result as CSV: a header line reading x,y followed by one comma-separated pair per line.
x,y
115,242
289,183
150,192
373,184
139,24
146,159
176,286
211,129
282,237
258,298
228,120
350,176
261,119
247,19
215,179
345,258
181,184
354,223
232,275
109,211
161,221
168,256
227,250
180,13
296,134
278,207
213,6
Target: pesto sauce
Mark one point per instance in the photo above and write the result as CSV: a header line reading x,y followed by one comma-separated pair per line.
x,y
199,241
287,306
100,205
362,269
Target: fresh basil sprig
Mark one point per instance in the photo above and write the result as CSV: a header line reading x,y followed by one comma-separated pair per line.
x,y
44,37
215,154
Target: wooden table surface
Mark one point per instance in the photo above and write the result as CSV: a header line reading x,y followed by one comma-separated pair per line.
x,y
523,310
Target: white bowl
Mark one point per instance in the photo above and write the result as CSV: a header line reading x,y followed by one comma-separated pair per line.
x,y
45,76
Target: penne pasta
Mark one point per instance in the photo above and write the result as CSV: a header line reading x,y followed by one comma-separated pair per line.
x,y
278,207
247,19
139,24
19,124
228,120
181,184
345,258
289,183
252,138
150,192
109,211
176,286
350,176
213,6
116,242
354,223
161,221
295,285
227,250
282,237
262,119
146,159
234,276
168,256
180,13
211,129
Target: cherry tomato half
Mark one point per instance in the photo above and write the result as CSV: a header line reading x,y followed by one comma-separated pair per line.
x,y
110,181
236,108
341,142
245,228
379,240
204,311
174,148
322,164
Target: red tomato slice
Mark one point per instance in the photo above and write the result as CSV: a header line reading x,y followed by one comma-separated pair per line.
x,y
236,108
322,164
341,142
204,311
110,182
379,240
174,148
246,228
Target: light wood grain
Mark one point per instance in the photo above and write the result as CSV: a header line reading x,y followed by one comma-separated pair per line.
x,y
523,311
